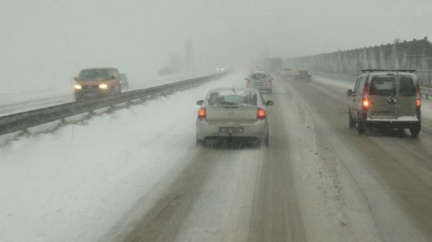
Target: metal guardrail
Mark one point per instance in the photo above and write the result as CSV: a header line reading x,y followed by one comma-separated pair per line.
x,y
425,90
24,120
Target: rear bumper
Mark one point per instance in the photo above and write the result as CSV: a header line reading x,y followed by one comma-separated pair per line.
x,y
393,123
301,77
205,130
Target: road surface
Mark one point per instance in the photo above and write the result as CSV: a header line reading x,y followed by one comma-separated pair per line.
x,y
318,181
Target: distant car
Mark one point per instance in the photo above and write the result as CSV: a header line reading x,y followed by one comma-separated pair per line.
x,y
233,113
97,82
260,80
385,99
263,70
286,72
302,75
220,69
124,81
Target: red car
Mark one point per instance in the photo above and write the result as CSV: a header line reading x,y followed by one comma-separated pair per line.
x,y
97,82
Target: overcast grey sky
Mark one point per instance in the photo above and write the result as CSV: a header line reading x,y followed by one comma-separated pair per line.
x,y
56,38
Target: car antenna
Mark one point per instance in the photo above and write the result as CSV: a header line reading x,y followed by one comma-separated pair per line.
x,y
233,88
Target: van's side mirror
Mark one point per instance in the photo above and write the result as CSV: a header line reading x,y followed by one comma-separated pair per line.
x,y
350,92
75,78
246,79
269,103
200,102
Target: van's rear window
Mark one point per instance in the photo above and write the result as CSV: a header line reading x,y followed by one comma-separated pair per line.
x,y
407,87
382,86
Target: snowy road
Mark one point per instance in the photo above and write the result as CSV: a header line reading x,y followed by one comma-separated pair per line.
x,y
147,181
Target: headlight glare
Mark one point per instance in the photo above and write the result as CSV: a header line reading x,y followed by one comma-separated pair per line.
x,y
78,86
103,86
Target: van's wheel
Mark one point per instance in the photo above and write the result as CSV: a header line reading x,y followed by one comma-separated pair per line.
x,y
361,127
401,131
351,121
200,143
415,131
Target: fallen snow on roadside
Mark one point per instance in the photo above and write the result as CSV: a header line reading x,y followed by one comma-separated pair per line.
x,y
74,184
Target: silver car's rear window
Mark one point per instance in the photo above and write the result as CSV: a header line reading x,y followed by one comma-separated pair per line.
x,y
382,86
233,98
257,76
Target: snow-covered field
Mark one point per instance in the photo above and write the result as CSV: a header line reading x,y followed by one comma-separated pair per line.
x,y
74,184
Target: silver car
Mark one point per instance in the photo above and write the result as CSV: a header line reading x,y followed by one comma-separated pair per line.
x,y
260,80
233,113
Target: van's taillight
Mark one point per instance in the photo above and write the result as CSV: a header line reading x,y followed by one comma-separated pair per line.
x,y
261,114
365,102
418,99
202,113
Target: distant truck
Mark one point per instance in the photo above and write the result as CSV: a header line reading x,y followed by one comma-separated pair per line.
x,y
273,64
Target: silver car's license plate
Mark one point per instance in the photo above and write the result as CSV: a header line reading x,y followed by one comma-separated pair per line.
x,y
231,130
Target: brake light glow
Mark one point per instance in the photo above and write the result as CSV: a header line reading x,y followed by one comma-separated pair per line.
x,y
261,114
365,102
202,113
418,100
